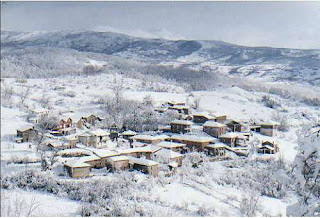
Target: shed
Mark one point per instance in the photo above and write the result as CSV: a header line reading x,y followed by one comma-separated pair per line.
x,y
233,139
104,154
118,162
64,123
202,117
166,156
71,141
181,126
192,141
268,147
149,138
127,134
214,129
269,128
77,168
146,166
220,118
174,146
95,138
217,149
26,133
145,151
183,109
93,160
237,126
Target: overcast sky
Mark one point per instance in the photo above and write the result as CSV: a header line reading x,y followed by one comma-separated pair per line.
x,y
276,24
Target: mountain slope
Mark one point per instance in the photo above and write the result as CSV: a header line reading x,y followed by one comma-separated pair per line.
x,y
211,56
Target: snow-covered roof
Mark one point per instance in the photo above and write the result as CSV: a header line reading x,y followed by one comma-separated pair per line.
x,y
67,129
25,128
173,164
150,149
267,146
90,158
141,161
99,132
166,144
176,102
73,151
40,110
218,114
65,118
86,134
129,132
55,144
232,135
193,138
213,124
182,122
104,152
161,109
70,137
139,144
76,163
149,137
203,114
270,123
217,145
167,154
118,158
179,107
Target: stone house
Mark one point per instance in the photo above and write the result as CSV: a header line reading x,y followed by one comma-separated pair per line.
x,y
181,126
127,134
173,146
145,151
269,129
202,117
167,156
268,147
149,139
95,138
192,141
233,139
116,163
217,149
146,166
26,133
237,126
214,129
77,168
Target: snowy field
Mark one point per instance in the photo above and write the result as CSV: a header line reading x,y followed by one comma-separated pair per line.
x,y
30,203
81,94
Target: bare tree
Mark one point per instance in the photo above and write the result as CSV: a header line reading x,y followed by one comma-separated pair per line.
x,y
15,205
117,90
249,204
24,94
6,95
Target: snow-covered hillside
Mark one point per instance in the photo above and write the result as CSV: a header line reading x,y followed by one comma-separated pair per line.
x,y
213,189
24,53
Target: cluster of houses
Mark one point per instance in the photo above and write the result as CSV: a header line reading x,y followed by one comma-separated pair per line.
x,y
82,146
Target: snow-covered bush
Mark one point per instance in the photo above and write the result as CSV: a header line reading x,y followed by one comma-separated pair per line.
x,y
270,102
70,94
7,93
306,174
21,80
205,211
283,122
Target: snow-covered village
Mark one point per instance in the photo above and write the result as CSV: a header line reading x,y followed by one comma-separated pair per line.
x,y
97,123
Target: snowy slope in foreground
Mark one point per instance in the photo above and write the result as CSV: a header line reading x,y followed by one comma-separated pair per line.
x,y
46,205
